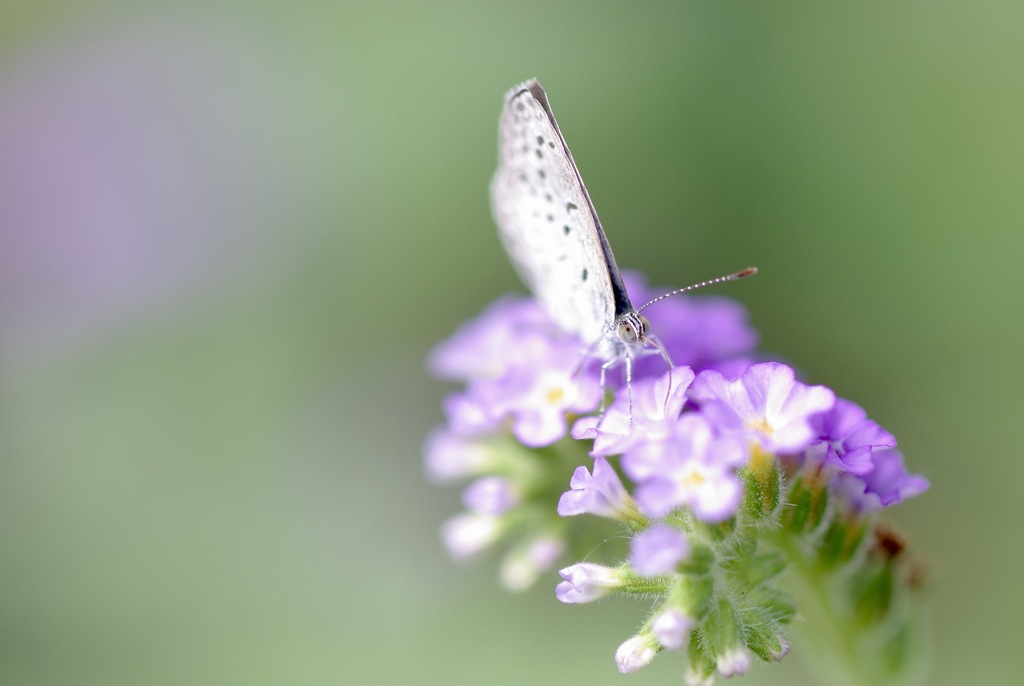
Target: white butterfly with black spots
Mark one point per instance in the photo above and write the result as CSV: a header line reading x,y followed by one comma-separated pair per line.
x,y
552,233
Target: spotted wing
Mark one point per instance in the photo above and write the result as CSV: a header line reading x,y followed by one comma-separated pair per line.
x,y
547,221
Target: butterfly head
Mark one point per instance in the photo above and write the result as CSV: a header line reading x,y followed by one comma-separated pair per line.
x,y
632,328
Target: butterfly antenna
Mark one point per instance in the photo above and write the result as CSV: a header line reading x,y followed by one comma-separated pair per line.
x,y
749,271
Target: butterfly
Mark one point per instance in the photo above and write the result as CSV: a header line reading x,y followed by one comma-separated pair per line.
x,y
550,229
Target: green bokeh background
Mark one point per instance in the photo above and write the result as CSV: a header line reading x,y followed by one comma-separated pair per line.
x,y
229,232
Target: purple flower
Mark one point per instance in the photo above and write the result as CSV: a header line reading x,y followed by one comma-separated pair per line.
x,y
693,467
671,628
887,484
766,403
847,438
468,534
840,421
538,398
658,550
535,393
449,457
635,653
585,582
890,480
601,494
733,661
656,406
521,567
487,346
469,415
519,367
491,495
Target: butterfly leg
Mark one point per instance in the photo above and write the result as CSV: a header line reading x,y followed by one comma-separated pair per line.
x,y
629,388
604,395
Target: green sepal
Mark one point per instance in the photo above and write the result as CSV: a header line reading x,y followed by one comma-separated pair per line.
x,y
818,505
701,562
898,650
831,543
761,636
760,568
752,506
701,661
795,518
694,595
778,604
634,584
762,482
872,592
715,533
720,628
808,500
841,541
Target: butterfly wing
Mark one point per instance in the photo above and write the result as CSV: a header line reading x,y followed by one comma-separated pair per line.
x,y
547,221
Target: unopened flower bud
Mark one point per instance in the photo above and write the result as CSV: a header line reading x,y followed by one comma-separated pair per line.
x,y
635,653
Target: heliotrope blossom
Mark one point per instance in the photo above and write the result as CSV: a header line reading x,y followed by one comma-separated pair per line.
x,y
658,550
600,493
846,439
490,495
671,628
766,404
521,374
635,653
647,413
528,560
691,466
887,483
741,491
585,582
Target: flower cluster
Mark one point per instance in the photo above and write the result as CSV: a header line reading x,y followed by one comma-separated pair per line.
x,y
726,473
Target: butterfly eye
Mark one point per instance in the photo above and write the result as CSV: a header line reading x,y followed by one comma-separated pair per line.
x,y
627,332
645,326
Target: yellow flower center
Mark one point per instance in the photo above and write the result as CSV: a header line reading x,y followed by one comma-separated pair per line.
x,y
761,425
555,396
693,478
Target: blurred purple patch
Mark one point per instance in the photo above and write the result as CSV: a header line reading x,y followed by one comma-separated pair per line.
x,y
135,171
